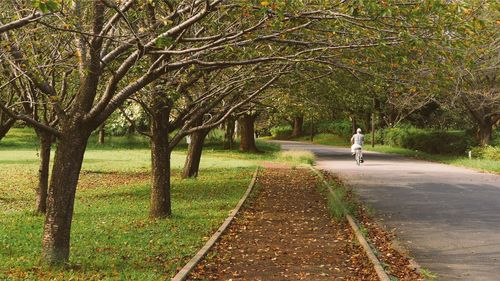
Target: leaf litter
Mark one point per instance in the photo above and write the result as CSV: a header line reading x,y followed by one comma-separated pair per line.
x,y
286,233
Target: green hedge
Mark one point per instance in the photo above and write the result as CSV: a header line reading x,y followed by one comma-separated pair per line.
x,y
436,142
281,132
379,137
339,128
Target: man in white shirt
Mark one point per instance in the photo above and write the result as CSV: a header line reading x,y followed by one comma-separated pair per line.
x,y
357,141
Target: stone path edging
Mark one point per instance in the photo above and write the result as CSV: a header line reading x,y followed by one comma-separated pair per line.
x,y
184,272
382,275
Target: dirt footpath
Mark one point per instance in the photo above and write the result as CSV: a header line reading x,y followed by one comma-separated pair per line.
x,y
285,233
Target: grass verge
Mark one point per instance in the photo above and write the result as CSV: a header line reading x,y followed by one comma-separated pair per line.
x,y
338,201
461,161
298,156
428,275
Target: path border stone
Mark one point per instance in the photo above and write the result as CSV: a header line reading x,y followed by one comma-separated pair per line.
x,y
382,275
198,257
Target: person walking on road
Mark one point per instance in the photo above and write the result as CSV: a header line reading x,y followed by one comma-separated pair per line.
x,y
357,141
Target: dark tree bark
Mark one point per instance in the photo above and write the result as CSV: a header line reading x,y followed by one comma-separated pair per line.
x,y
354,125
311,136
131,129
102,133
485,131
61,195
367,120
373,129
229,134
247,133
45,140
160,159
193,158
4,128
375,105
298,123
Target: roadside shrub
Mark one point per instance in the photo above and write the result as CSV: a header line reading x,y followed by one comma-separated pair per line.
x,y
341,128
439,142
435,142
396,136
487,152
495,140
379,137
281,132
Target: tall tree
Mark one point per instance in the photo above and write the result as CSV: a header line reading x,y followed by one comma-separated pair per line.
x,y
475,58
195,149
229,132
247,132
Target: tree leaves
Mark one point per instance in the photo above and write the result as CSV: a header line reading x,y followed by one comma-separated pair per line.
x,y
164,42
47,5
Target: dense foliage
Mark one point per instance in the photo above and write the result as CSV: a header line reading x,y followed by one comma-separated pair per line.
x,y
430,141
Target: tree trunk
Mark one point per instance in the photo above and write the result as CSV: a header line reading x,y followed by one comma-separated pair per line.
x,y
61,196
297,126
4,128
45,140
247,133
485,131
312,130
131,129
354,125
373,129
367,120
193,158
229,134
160,160
102,133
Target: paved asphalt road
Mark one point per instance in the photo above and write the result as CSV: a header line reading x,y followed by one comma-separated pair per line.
x,y
447,217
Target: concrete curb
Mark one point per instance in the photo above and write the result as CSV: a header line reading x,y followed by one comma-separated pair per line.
x,y
396,244
382,275
184,272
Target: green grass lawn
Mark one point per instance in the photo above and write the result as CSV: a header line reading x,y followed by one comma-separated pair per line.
x,y
326,139
112,237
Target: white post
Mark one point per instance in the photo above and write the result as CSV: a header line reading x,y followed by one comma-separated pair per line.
x,y
470,154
